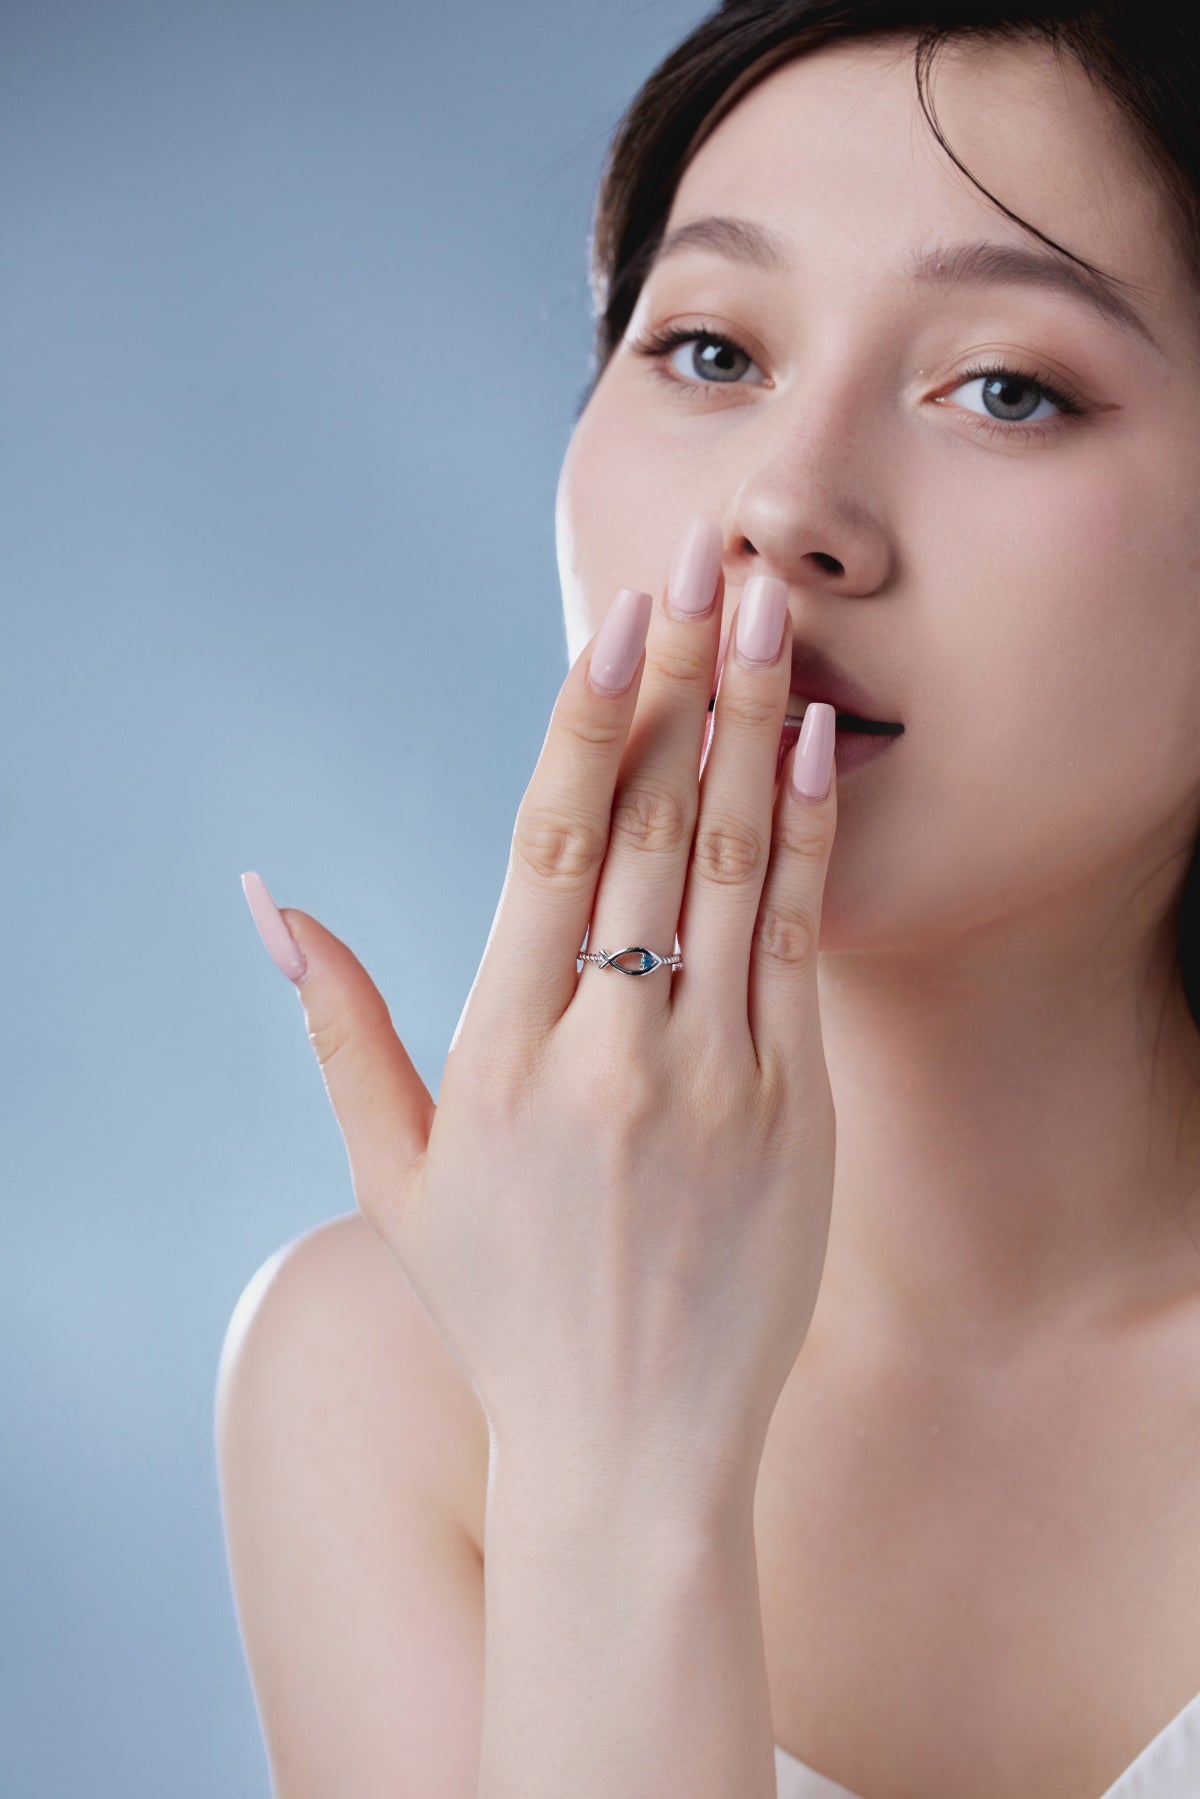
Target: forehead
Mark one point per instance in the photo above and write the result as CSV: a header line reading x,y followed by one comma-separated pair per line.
x,y
833,150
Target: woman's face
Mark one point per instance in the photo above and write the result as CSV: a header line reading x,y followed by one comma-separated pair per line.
x,y
1009,565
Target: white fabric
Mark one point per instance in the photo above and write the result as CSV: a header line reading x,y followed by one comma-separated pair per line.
x,y
1167,1768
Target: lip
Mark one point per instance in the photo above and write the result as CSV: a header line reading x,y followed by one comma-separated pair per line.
x,y
850,748
815,676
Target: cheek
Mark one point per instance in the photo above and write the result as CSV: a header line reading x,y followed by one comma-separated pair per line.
x,y
612,496
1071,596
1059,627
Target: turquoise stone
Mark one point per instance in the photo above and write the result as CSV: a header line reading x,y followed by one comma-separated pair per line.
x,y
645,964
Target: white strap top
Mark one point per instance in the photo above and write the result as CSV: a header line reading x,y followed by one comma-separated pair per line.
x,y
1167,1768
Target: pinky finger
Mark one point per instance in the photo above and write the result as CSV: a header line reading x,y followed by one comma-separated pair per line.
x,y
787,930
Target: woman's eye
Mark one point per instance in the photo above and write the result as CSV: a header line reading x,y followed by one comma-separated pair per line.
x,y
1003,394
718,363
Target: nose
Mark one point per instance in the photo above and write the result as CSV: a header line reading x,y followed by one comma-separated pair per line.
x,y
810,509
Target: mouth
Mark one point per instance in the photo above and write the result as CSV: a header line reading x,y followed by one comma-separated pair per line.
x,y
843,721
815,676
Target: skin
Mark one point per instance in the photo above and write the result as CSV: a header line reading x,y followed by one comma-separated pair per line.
x,y
1012,1061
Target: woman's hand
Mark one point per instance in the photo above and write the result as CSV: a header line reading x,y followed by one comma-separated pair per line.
x,y
617,1213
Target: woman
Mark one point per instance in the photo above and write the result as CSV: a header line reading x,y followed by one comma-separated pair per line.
x,y
875,1474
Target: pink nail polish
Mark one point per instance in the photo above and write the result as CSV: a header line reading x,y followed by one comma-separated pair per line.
x,y
278,941
692,581
760,618
812,767
620,641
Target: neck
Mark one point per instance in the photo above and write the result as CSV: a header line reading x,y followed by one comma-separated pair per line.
x,y
1018,1135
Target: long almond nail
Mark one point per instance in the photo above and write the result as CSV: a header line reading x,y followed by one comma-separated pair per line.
x,y
278,941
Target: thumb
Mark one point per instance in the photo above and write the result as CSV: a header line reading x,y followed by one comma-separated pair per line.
x,y
384,1110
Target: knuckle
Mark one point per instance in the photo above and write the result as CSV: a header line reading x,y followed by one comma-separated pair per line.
x,y
561,847
504,1092
633,1093
754,704
775,1086
613,1104
590,728
615,1068
798,838
652,818
729,851
679,664
718,1076
330,1038
787,935
790,1103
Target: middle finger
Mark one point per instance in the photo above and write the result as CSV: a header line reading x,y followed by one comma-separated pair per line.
x,y
733,842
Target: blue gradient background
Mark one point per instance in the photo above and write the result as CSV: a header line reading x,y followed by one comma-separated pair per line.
x,y
293,322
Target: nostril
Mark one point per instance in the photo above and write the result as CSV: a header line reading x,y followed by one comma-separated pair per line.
x,y
830,564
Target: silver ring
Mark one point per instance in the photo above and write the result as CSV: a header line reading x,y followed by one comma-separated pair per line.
x,y
646,964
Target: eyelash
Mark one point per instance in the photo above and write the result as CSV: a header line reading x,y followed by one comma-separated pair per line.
x,y
657,345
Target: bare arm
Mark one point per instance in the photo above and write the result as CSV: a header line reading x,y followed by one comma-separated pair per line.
x,y
624,1653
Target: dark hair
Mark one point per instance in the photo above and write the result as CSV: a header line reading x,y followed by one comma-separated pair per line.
x,y
1145,54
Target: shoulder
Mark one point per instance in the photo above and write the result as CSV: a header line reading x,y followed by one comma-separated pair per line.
x,y
329,1331
348,1447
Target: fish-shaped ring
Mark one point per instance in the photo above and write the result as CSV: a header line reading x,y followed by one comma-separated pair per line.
x,y
646,962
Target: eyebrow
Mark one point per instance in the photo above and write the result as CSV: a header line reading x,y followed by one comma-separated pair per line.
x,y
982,264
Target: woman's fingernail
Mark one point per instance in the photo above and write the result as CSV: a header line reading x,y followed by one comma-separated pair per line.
x,y
620,641
812,767
278,941
760,618
692,581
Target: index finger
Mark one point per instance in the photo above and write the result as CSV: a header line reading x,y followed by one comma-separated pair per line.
x,y
529,970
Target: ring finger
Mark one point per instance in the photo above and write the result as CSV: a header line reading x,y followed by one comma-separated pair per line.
x,y
657,793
